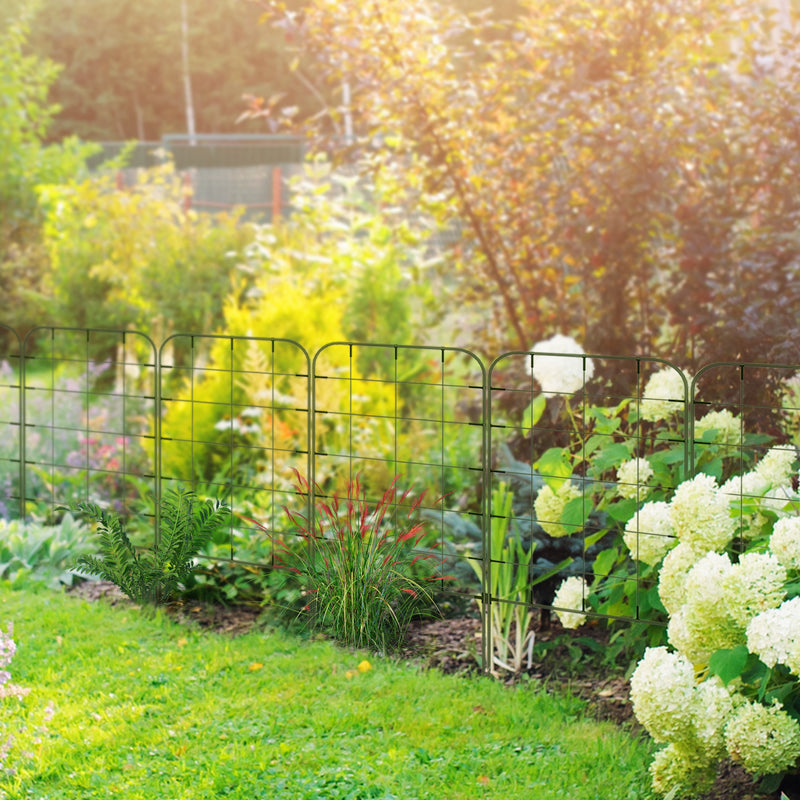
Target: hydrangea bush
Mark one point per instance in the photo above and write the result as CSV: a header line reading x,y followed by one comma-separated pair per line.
x,y
715,556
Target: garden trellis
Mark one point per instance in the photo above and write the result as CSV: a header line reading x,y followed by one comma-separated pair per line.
x,y
97,412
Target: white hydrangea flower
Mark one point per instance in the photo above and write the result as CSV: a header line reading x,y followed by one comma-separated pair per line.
x,y
663,395
774,635
785,542
712,708
702,625
549,505
678,767
753,585
765,740
662,692
701,514
559,374
571,594
728,427
672,576
775,469
649,533
632,477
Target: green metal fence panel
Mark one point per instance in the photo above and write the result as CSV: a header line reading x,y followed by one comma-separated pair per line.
x,y
415,413
89,412
555,432
12,399
235,426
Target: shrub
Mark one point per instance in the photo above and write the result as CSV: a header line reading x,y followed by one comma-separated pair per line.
x,y
106,274
728,685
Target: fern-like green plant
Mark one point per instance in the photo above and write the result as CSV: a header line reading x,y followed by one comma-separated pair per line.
x,y
153,575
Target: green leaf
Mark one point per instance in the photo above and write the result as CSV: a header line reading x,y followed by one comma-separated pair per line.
x,y
554,465
728,664
611,456
533,413
605,561
623,510
573,513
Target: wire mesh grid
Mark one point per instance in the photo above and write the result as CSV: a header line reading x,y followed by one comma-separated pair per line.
x,y
90,413
89,416
571,452
735,405
235,426
414,414
11,416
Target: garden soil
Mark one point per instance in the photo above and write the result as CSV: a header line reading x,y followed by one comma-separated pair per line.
x,y
453,646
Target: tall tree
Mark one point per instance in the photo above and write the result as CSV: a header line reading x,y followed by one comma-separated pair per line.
x,y
612,164
124,73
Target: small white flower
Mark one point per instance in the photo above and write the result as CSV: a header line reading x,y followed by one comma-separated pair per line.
x,y
632,477
649,533
663,395
785,542
560,374
570,595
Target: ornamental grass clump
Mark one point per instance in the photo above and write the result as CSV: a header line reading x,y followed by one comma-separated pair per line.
x,y
366,567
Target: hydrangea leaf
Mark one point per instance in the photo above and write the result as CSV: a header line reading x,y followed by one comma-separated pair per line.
x,y
728,664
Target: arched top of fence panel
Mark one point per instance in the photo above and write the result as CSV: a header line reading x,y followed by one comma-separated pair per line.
x,y
414,413
235,424
90,399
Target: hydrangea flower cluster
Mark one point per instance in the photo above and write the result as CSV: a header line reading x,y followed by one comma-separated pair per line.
x,y
701,514
785,542
550,504
560,374
649,533
722,599
728,428
571,594
632,477
663,396
774,635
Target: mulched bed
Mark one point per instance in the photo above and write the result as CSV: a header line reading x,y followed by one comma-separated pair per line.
x,y
453,646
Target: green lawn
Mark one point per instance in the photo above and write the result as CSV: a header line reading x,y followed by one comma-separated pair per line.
x,y
122,705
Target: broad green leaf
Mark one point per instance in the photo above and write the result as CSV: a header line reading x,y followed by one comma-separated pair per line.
x,y
554,466
610,456
533,413
728,664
